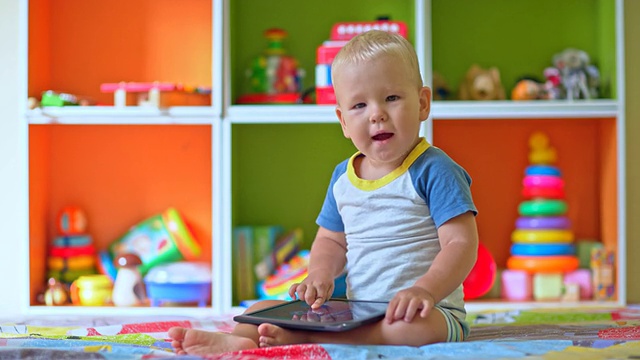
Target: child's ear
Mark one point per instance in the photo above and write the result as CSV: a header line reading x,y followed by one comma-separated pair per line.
x,y
425,102
342,123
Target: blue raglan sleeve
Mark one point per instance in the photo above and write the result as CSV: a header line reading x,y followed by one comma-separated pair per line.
x,y
329,217
444,185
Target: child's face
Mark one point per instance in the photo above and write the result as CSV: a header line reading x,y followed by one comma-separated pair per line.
x,y
380,108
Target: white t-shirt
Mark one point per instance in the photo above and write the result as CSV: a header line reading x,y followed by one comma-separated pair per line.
x,y
391,223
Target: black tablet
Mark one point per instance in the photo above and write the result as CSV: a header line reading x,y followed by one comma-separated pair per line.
x,y
333,315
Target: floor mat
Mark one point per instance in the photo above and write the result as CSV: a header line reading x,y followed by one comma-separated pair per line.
x,y
541,334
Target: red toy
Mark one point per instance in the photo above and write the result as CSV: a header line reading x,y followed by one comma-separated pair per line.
x,y
482,275
274,76
341,33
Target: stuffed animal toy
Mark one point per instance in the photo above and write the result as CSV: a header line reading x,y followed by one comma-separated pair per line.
x,y
482,84
580,79
528,89
441,90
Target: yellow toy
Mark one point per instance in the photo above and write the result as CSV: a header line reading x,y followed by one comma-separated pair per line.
x,y
541,152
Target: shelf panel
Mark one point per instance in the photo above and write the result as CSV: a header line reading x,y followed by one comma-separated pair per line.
x,y
524,109
298,114
132,115
282,114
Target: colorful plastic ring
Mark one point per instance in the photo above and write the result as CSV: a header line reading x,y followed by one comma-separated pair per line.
x,y
543,249
72,240
543,181
533,192
68,276
69,251
543,222
542,208
541,236
542,170
72,263
543,264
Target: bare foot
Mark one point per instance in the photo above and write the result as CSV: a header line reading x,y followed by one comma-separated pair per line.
x,y
200,342
272,335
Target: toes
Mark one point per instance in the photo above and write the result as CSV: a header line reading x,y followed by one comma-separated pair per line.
x,y
177,333
265,341
176,344
268,330
268,334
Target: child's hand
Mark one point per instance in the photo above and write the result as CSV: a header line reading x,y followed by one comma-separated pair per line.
x,y
408,302
315,289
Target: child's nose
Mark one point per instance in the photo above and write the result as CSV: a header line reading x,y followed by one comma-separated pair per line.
x,y
377,114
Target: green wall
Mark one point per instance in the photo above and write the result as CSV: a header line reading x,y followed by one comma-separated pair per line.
x,y
281,173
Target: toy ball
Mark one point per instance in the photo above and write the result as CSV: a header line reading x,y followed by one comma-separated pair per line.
x,y
482,275
71,221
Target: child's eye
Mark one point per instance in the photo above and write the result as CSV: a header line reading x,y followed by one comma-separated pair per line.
x,y
393,97
359,105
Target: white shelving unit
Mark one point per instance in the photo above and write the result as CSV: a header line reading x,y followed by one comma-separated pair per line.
x,y
223,115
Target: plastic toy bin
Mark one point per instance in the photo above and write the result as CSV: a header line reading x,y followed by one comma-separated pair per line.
x,y
180,282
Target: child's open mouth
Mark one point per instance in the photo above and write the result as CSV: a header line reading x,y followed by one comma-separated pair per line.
x,y
382,136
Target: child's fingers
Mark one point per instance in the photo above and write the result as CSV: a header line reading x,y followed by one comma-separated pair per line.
x,y
292,291
391,310
310,295
412,309
317,303
425,309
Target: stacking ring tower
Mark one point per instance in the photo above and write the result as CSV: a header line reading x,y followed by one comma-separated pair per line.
x,y
542,241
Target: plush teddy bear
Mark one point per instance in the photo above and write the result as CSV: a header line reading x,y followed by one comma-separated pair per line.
x,y
482,84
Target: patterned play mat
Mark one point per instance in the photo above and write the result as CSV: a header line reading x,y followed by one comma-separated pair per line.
x,y
541,334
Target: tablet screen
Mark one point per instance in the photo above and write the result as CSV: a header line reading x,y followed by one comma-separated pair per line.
x,y
333,315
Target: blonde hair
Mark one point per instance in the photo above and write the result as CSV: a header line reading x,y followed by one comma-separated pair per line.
x,y
373,44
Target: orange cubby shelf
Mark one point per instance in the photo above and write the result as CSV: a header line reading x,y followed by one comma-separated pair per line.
x,y
495,153
119,175
76,45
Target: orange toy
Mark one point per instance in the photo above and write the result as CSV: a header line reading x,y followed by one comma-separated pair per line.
x,y
71,221
543,264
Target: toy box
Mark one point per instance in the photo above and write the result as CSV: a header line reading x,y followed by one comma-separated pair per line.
x,y
160,239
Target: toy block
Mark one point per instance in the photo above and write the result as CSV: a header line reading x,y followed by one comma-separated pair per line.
x,y
547,286
582,278
602,265
583,250
516,285
571,292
